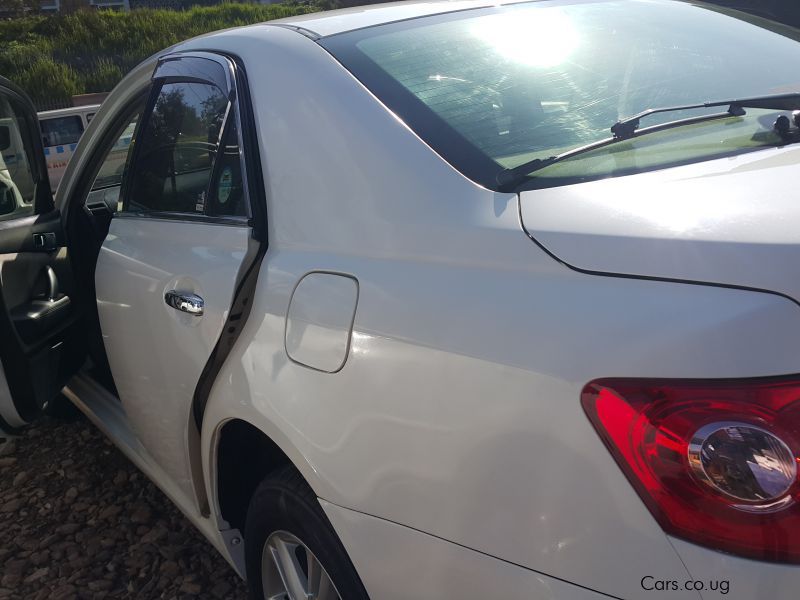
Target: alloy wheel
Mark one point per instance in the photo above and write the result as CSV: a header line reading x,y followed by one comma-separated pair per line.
x,y
290,571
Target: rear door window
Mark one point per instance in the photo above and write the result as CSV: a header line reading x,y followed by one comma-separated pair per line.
x,y
178,147
226,196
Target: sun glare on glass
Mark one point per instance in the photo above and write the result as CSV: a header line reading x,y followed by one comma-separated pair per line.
x,y
539,38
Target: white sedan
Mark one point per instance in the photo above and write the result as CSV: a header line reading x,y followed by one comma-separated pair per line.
x,y
439,300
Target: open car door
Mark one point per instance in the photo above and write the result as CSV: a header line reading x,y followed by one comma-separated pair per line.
x,y
40,347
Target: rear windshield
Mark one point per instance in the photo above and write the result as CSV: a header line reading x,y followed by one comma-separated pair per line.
x,y
490,89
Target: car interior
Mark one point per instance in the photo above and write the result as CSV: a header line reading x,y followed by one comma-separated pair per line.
x,y
39,323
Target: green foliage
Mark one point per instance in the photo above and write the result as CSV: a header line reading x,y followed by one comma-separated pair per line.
x,y
103,75
54,57
16,8
45,78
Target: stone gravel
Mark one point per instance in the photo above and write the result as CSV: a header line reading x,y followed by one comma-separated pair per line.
x,y
78,520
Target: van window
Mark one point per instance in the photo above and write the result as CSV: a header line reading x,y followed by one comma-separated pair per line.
x,y
60,131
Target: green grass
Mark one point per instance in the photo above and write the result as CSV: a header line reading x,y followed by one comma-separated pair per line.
x,y
55,57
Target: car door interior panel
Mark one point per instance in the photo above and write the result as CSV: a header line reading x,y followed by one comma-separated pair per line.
x,y
40,347
36,300
34,233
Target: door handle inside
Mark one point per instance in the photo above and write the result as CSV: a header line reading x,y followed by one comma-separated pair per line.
x,y
185,301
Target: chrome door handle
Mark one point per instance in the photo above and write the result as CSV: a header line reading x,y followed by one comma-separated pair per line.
x,y
185,301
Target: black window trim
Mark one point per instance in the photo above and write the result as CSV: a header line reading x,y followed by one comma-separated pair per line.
x,y
440,136
238,221
162,75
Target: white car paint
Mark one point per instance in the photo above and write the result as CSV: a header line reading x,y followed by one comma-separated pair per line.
x,y
749,578
452,437
319,322
731,220
404,564
356,17
479,367
157,353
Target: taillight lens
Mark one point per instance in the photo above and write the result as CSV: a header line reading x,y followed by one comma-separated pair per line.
x,y
714,461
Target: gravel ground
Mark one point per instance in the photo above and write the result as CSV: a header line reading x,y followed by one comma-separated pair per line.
x,y
78,520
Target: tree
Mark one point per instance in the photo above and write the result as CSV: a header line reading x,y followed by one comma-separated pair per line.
x,y
18,8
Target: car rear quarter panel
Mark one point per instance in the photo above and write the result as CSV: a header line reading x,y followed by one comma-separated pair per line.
x,y
747,579
457,412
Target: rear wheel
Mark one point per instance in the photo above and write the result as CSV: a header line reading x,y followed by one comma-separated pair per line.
x,y
291,550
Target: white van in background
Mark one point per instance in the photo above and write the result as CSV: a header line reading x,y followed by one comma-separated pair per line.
x,y
61,130
16,184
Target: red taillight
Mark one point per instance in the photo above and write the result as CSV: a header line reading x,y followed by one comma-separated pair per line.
x,y
714,461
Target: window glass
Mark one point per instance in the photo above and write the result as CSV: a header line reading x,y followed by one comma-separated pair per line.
x,y
493,88
113,166
17,185
227,194
60,131
178,145
108,182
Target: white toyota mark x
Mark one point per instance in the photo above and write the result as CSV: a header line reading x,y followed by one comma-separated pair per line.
x,y
437,300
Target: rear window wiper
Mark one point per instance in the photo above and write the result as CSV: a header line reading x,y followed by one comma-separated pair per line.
x,y
628,128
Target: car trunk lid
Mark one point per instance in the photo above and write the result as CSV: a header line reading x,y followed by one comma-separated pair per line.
x,y
732,221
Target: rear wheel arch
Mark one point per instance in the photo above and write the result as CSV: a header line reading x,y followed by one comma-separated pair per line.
x,y
245,455
248,464
291,548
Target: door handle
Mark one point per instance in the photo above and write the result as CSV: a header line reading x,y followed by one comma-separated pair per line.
x,y
185,302
44,241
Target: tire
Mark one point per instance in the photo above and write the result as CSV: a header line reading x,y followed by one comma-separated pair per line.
x,y
284,508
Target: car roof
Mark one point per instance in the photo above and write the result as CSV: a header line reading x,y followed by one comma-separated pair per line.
x,y
71,110
323,24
